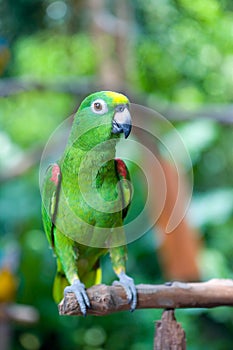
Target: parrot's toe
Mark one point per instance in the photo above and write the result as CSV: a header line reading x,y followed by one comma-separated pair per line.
x,y
168,284
79,290
128,284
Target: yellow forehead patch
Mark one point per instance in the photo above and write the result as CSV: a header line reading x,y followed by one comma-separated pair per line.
x,y
116,97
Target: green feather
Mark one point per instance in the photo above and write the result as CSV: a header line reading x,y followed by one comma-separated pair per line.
x,y
82,198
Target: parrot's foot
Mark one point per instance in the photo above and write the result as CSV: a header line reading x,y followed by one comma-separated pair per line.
x,y
176,284
168,284
79,290
128,284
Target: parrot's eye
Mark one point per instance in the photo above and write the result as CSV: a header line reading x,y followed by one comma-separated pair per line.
x,y
99,107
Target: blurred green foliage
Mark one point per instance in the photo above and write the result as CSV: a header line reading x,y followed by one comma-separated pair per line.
x,y
46,56
180,51
184,50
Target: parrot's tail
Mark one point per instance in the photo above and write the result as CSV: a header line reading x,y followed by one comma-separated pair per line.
x,y
60,282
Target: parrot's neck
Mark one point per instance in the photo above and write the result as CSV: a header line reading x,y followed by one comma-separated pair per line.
x,y
76,161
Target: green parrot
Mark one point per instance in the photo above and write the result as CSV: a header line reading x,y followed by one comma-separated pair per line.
x,y
85,198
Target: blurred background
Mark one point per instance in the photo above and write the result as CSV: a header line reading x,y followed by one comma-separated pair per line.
x,y
175,56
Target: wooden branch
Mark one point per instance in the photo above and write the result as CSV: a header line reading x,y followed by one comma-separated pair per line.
x,y
23,314
109,299
14,85
222,113
169,333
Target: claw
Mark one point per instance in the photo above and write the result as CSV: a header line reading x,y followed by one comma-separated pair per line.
x,y
169,283
79,290
128,284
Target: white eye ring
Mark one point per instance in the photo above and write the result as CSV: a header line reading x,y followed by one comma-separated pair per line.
x,y
99,107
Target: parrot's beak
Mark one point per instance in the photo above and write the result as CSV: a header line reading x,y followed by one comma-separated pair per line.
x,y
122,120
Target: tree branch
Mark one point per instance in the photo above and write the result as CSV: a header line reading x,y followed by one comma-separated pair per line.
x,y
109,299
14,85
222,113
169,333
23,314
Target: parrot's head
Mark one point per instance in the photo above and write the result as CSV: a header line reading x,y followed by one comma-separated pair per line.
x,y
101,116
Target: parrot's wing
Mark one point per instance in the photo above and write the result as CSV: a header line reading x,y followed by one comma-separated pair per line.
x,y
50,198
125,186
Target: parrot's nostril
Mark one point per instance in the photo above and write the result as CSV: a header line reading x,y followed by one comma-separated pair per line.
x,y
120,108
